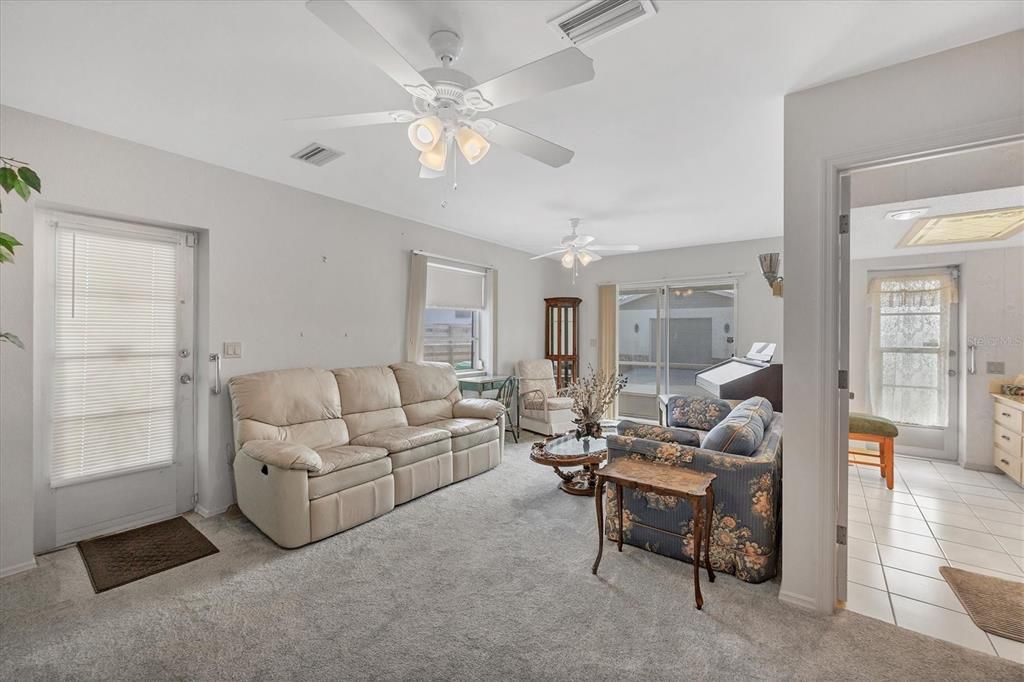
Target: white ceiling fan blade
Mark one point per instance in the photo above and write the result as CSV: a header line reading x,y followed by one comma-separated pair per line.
x,y
583,239
350,25
613,247
352,120
549,253
526,143
553,72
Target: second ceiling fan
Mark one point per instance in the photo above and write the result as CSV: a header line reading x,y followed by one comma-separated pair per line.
x,y
446,103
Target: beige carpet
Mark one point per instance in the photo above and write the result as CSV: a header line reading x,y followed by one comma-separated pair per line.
x,y
995,605
487,579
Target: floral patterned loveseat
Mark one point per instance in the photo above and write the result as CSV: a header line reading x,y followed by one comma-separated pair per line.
x,y
748,495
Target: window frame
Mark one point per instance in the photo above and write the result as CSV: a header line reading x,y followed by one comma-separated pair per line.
x,y
479,367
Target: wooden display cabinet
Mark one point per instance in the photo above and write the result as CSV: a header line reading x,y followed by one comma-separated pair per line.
x,y
561,337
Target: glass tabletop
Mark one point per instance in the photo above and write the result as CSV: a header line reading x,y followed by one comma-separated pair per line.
x,y
568,446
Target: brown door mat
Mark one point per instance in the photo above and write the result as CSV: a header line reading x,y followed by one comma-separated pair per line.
x,y
121,558
995,605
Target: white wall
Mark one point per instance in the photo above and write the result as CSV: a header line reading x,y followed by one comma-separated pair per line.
x,y
968,93
268,284
991,314
758,313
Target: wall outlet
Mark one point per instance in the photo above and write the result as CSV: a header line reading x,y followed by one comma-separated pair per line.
x,y
995,367
232,349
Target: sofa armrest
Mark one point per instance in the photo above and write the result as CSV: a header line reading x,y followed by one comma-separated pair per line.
x,y
664,434
477,408
283,455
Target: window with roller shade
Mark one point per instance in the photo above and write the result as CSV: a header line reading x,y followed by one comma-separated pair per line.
x,y
116,330
456,299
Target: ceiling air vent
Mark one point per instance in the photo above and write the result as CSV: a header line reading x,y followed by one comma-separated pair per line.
x,y
599,18
316,154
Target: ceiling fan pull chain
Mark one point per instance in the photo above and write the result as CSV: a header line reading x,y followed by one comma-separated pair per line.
x,y
455,167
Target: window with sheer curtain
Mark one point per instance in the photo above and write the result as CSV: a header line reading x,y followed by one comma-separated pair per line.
x,y
909,363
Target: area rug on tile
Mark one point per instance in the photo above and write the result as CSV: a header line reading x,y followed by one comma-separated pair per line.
x,y
121,558
487,579
995,605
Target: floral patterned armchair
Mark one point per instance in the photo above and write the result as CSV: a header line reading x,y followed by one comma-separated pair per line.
x,y
745,526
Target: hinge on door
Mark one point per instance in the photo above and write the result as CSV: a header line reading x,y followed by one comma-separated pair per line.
x,y
840,535
844,379
844,223
191,239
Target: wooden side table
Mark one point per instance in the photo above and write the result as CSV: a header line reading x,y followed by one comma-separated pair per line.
x,y
662,479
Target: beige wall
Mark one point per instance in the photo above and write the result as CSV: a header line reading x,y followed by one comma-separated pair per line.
x,y
264,281
991,313
953,97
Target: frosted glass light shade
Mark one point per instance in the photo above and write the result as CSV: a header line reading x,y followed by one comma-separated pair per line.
x,y
585,258
435,157
567,258
472,144
425,133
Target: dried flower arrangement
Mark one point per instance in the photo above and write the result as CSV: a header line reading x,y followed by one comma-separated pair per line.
x,y
591,397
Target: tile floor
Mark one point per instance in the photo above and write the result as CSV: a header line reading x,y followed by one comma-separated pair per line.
x,y
937,514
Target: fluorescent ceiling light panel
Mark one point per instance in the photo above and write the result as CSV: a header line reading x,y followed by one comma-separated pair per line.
x,y
958,228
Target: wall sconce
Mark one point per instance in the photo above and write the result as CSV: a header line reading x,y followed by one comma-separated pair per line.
x,y
770,269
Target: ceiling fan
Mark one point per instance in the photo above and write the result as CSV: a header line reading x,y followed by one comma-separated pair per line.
x,y
580,249
446,102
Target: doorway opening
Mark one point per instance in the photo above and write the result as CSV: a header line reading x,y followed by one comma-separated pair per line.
x,y
932,256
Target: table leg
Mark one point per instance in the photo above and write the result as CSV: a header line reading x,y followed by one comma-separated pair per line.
x,y
697,538
709,522
598,498
618,495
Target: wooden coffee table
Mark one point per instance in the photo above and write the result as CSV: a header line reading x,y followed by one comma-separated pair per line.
x,y
566,451
662,479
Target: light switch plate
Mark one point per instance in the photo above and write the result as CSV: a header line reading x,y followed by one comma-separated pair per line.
x,y
232,349
995,367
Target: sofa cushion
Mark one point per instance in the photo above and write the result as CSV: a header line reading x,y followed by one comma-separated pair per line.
x,y
428,390
738,434
345,456
471,439
418,454
477,408
349,477
461,427
370,400
402,438
761,406
300,405
695,412
537,403
871,424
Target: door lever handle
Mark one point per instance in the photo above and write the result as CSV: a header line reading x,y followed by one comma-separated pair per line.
x,y
215,358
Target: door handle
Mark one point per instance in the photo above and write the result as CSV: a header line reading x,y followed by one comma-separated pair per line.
x,y
951,372
971,368
215,358
185,379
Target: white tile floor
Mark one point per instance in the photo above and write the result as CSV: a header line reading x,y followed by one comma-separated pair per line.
x,y
936,515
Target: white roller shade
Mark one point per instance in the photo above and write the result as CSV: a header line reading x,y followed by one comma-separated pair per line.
x,y
115,362
449,286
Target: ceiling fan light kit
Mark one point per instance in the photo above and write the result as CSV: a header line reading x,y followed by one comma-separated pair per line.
x,y
579,249
446,102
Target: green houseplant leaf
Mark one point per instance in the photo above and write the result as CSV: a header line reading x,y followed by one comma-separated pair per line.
x,y
30,178
11,338
23,190
7,178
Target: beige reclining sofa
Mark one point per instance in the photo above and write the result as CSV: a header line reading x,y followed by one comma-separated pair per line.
x,y
319,451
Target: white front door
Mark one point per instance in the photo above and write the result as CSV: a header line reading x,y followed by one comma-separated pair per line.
x,y
119,447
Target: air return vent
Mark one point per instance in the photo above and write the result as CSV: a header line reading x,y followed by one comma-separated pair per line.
x,y
316,154
599,18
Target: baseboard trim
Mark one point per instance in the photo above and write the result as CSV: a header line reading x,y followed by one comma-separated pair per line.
x,y
18,568
207,513
799,600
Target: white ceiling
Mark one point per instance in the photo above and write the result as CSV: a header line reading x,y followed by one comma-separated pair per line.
x,y
678,139
872,235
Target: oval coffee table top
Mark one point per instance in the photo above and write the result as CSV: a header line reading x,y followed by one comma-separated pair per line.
x,y
567,451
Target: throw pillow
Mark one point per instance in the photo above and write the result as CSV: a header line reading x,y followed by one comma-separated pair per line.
x,y
762,406
696,413
738,434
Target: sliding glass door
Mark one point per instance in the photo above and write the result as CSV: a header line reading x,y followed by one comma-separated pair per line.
x,y
667,333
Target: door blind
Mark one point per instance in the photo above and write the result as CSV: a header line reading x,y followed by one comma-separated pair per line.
x,y
115,362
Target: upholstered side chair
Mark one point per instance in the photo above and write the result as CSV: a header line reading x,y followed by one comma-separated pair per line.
x,y
542,407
